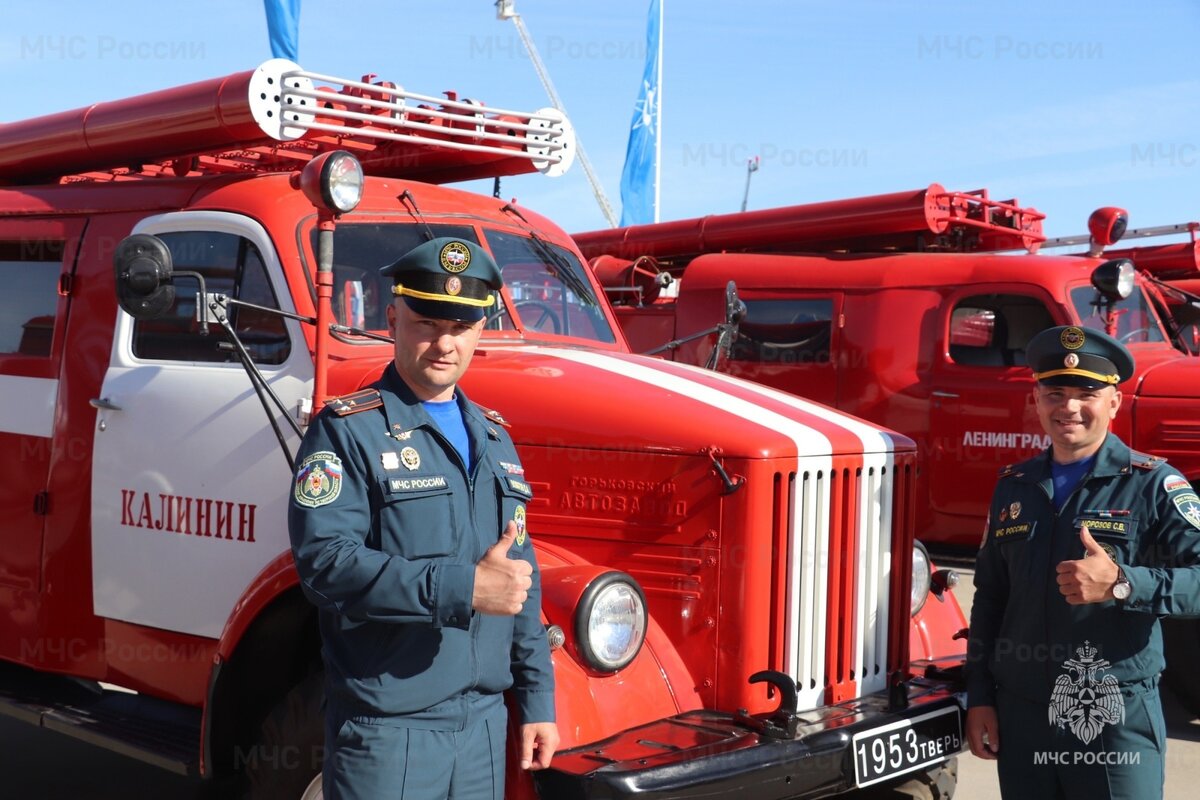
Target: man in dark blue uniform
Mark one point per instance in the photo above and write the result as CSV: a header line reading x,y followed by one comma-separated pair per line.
x,y
1086,546
407,523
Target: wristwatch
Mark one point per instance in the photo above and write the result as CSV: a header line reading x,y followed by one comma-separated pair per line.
x,y
1122,589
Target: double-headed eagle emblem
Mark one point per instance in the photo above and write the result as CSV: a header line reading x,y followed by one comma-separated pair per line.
x,y
1083,700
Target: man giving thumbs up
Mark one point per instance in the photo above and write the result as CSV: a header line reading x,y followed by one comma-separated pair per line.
x,y
407,521
1086,546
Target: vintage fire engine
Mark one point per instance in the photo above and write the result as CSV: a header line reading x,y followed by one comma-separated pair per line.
x,y
190,274
901,309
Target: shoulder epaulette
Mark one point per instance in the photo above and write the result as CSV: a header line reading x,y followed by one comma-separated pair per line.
x,y
495,416
1007,470
1145,460
353,403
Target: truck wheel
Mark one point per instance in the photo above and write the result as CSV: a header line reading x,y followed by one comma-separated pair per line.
x,y
1181,641
286,762
937,783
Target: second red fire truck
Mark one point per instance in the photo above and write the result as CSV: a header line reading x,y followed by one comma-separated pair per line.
x,y
906,310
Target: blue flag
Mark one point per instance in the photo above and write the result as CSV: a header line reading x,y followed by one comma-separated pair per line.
x,y
640,178
283,27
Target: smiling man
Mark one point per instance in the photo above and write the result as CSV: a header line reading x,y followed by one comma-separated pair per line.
x,y
1086,546
408,530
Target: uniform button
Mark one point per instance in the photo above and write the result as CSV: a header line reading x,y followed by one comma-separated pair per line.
x,y
454,619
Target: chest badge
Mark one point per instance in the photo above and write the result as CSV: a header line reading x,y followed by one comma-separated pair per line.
x,y
1083,700
390,460
1014,510
519,519
410,457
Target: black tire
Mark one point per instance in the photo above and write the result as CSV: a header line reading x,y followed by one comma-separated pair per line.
x,y
290,750
937,783
1181,641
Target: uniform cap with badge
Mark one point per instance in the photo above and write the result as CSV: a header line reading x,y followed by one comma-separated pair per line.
x,y
1073,356
446,278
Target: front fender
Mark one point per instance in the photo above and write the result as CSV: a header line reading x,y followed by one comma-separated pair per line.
x,y
932,630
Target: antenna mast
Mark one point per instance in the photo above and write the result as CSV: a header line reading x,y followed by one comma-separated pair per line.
x,y
505,10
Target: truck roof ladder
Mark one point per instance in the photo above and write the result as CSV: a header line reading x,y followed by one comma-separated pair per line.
x,y
274,119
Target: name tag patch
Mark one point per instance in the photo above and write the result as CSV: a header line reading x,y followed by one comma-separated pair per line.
x,y
1106,527
520,486
417,484
1013,532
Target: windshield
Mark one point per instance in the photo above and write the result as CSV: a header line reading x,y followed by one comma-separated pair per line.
x,y
1135,321
546,284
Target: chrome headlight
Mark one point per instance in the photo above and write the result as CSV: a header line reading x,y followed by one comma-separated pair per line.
x,y
610,623
333,181
922,577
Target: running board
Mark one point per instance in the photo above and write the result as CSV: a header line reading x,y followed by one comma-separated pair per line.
x,y
155,731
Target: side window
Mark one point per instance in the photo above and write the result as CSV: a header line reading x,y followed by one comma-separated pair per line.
x,y
785,331
29,272
231,265
992,330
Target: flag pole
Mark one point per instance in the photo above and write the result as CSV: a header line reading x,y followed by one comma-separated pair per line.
x,y
658,125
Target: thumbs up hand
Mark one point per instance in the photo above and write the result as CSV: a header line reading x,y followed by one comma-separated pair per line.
x,y
1091,578
501,583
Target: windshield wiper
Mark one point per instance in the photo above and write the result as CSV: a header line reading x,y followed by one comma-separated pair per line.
x,y
556,264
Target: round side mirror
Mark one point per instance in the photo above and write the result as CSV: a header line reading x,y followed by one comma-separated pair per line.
x,y
143,271
735,309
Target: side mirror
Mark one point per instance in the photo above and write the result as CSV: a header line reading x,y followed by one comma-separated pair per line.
x,y
143,271
735,309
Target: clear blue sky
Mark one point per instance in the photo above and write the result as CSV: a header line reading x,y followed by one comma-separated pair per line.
x,y
1065,105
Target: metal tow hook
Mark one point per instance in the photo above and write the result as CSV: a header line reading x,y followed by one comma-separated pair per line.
x,y
783,722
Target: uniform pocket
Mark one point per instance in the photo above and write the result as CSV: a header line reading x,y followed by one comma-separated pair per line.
x,y
417,517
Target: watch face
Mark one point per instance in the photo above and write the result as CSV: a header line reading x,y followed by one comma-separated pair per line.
x,y
1121,590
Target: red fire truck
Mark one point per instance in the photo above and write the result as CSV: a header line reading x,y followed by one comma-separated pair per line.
x,y
190,274
902,309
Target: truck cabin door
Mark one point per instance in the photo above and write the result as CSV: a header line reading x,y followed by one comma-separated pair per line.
x,y
981,413
37,262
189,482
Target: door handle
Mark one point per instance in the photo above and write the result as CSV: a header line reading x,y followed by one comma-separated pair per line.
x,y
938,393
103,404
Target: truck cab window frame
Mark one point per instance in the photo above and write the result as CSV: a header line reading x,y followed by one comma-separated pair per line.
x,y
992,330
30,272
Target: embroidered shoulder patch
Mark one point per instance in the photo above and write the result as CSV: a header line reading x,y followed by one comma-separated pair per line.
x,y
1189,506
1175,483
319,480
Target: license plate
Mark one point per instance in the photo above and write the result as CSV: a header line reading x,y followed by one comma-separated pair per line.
x,y
883,753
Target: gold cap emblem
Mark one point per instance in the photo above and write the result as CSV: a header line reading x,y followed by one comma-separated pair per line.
x,y
455,257
1072,338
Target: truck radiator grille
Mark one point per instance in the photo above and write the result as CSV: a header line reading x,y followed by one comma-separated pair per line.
x,y
839,556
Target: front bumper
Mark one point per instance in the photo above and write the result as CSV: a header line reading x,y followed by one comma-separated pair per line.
x,y
712,755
